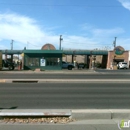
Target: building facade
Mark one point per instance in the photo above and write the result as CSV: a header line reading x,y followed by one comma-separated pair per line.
x,y
42,59
119,54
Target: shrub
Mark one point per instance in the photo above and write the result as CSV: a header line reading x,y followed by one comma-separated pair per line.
x,y
98,65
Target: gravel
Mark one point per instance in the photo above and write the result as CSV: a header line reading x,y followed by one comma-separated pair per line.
x,y
34,120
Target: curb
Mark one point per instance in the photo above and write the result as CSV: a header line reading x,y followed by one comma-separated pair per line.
x,y
101,114
50,72
34,112
87,114
2,80
64,81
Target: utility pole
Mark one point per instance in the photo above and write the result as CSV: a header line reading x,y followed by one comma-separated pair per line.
x,y
12,44
114,43
27,44
60,42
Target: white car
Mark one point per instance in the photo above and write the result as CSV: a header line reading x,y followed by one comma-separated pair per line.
x,y
122,65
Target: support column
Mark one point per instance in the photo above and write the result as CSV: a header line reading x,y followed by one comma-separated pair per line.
x,y
72,58
11,57
22,61
88,61
5,56
104,61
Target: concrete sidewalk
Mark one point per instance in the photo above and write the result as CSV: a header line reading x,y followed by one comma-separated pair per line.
x,y
79,125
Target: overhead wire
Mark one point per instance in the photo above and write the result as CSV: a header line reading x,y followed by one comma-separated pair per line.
x,y
60,5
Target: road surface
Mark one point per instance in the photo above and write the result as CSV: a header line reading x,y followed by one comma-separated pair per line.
x,y
65,96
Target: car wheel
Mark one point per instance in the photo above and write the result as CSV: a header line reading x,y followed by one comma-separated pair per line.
x,y
11,67
69,67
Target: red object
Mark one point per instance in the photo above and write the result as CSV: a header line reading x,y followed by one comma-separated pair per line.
x,y
18,67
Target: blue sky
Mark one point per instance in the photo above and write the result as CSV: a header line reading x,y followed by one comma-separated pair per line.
x,y
83,24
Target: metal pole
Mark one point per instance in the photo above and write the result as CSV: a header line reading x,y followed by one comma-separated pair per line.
x,y
60,42
12,44
115,42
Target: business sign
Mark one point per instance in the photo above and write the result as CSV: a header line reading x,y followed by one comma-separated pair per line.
x,y
118,56
119,50
43,62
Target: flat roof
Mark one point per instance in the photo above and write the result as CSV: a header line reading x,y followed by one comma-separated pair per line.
x,y
85,52
43,51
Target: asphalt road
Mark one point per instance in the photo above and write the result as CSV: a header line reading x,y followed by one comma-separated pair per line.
x,y
65,96
64,76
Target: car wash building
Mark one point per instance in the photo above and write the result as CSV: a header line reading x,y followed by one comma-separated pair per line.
x,y
119,54
42,59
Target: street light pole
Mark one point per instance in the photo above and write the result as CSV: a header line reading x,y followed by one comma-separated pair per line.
x,y
60,42
12,44
115,42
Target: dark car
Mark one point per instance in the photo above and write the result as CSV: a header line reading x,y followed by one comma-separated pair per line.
x,y
8,64
81,65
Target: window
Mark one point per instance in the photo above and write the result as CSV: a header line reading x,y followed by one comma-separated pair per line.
x,y
32,61
52,62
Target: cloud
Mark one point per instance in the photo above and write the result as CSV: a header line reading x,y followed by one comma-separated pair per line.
x,y
125,3
86,26
23,29
100,38
107,32
79,42
26,31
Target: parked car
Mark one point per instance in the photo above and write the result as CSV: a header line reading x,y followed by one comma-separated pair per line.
x,y
8,64
66,65
81,65
122,65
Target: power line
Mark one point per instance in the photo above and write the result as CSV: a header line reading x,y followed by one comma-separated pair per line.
x,y
68,42
27,4
33,44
